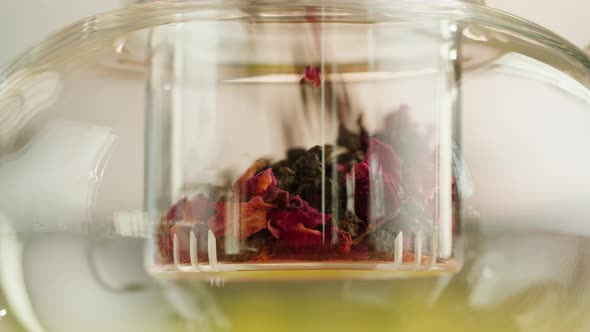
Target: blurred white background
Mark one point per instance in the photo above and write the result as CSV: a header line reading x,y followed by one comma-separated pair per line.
x,y
24,22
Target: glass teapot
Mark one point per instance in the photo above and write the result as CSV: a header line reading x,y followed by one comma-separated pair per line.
x,y
241,165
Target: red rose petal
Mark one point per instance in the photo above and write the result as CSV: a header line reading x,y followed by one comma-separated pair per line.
x,y
300,239
299,212
177,211
262,183
250,216
278,198
344,243
201,208
382,158
240,187
367,195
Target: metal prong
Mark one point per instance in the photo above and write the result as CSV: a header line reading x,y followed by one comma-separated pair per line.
x,y
433,249
212,250
176,255
418,249
175,251
398,248
193,252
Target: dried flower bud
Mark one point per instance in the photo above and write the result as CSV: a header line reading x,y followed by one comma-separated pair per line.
x,y
312,75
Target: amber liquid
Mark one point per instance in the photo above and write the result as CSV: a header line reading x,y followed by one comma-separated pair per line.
x,y
497,290
400,305
501,287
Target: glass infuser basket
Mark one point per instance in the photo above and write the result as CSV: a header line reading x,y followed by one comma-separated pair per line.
x,y
273,144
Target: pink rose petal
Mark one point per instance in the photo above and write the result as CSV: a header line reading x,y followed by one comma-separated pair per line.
x,y
240,187
298,212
